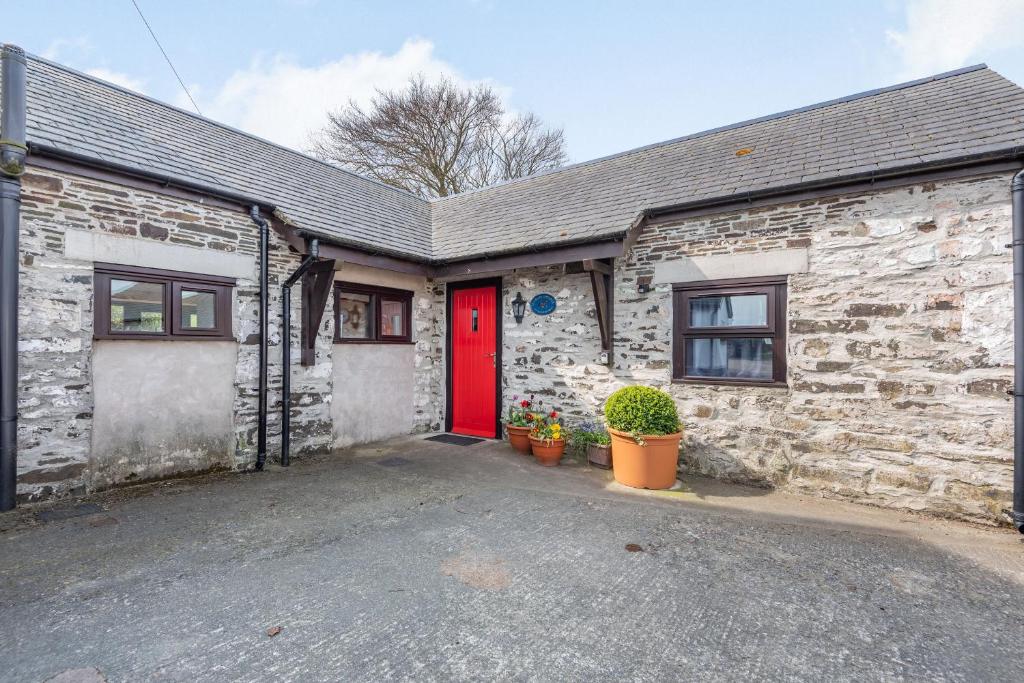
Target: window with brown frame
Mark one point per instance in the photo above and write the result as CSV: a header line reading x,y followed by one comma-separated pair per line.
x,y
730,331
150,303
367,314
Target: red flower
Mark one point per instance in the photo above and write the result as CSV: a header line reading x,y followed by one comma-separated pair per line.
x,y
554,414
525,404
529,417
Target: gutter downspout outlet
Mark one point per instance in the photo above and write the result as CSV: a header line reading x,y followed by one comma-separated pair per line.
x,y
12,166
1017,198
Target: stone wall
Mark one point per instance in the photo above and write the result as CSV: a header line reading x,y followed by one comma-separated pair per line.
x,y
899,345
56,326
899,348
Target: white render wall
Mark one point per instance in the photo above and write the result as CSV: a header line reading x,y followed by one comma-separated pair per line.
x,y
373,392
161,408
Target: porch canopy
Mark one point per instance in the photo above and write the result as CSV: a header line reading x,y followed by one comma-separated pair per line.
x,y
594,258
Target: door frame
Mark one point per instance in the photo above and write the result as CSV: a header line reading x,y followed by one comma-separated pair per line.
x,y
451,288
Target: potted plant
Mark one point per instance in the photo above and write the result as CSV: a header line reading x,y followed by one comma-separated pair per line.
x,y
547,439
592,440
645,433
519,424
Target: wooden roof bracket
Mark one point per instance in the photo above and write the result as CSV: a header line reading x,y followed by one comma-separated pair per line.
x,y
602,280
316,288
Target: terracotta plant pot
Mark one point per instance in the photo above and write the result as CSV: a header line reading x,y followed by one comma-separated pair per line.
x,y
652,466
547,452
600,455
519,438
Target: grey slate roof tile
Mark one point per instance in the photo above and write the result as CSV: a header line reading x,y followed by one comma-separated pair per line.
x,y
967,112
80,114
970,111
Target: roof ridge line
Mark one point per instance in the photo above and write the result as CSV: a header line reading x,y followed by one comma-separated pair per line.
x,y
219,124
732,126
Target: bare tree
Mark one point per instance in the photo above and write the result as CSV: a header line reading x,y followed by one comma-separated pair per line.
x,y
437,139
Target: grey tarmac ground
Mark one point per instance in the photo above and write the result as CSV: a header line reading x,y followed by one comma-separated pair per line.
x,y
417,560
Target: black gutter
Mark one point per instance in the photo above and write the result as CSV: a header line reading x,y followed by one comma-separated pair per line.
x,y
37,149
12,166
838,183
261,417
1017,199
286,350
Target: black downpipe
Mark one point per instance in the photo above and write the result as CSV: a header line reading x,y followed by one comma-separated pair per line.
x,y
1017,198
12,166
261,428
286,351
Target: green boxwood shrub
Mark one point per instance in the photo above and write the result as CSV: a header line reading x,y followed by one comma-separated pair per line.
x,y
642,410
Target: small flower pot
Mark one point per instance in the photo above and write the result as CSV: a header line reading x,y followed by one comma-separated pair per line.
x,y
548,451
519,438
651,466
600,455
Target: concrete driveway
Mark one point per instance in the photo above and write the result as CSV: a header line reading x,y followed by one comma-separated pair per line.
x,y
418,560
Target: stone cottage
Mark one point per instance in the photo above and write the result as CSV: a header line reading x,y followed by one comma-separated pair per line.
x,y
826,292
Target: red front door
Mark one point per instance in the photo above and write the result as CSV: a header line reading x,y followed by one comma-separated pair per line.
x,y
474,361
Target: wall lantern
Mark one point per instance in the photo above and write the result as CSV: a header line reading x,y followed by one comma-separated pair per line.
x,y
519,307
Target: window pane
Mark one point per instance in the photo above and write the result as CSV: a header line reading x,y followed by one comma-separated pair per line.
x,y
392,318
737,310
354,315
136,306
738,358
198,310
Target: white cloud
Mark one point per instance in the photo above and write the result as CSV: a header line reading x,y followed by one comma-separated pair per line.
x,y
283,101
118,78
61,47
946,34
79,50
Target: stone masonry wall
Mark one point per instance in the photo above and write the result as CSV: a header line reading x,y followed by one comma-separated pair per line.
x,y
899,345
899,348
56,324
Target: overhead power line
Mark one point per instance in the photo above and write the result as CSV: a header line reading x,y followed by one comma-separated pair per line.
x,y
164,52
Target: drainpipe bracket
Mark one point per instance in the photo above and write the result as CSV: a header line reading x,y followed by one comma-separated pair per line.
x,y
12,161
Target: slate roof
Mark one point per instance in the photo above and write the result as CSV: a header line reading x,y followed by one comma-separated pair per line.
x,y
969,112
965,112
77,113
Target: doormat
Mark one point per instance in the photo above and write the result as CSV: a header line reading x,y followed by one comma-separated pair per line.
x,y
455,439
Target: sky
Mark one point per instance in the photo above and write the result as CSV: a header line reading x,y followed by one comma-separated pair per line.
x,y
613,75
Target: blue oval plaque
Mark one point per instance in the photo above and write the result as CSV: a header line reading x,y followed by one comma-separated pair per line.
x,y
542,304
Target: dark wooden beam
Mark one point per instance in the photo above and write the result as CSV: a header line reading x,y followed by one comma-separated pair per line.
x,y
828,188
316,287
599,266
289,234
548,257
137,182
574,256
602,280
346,255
